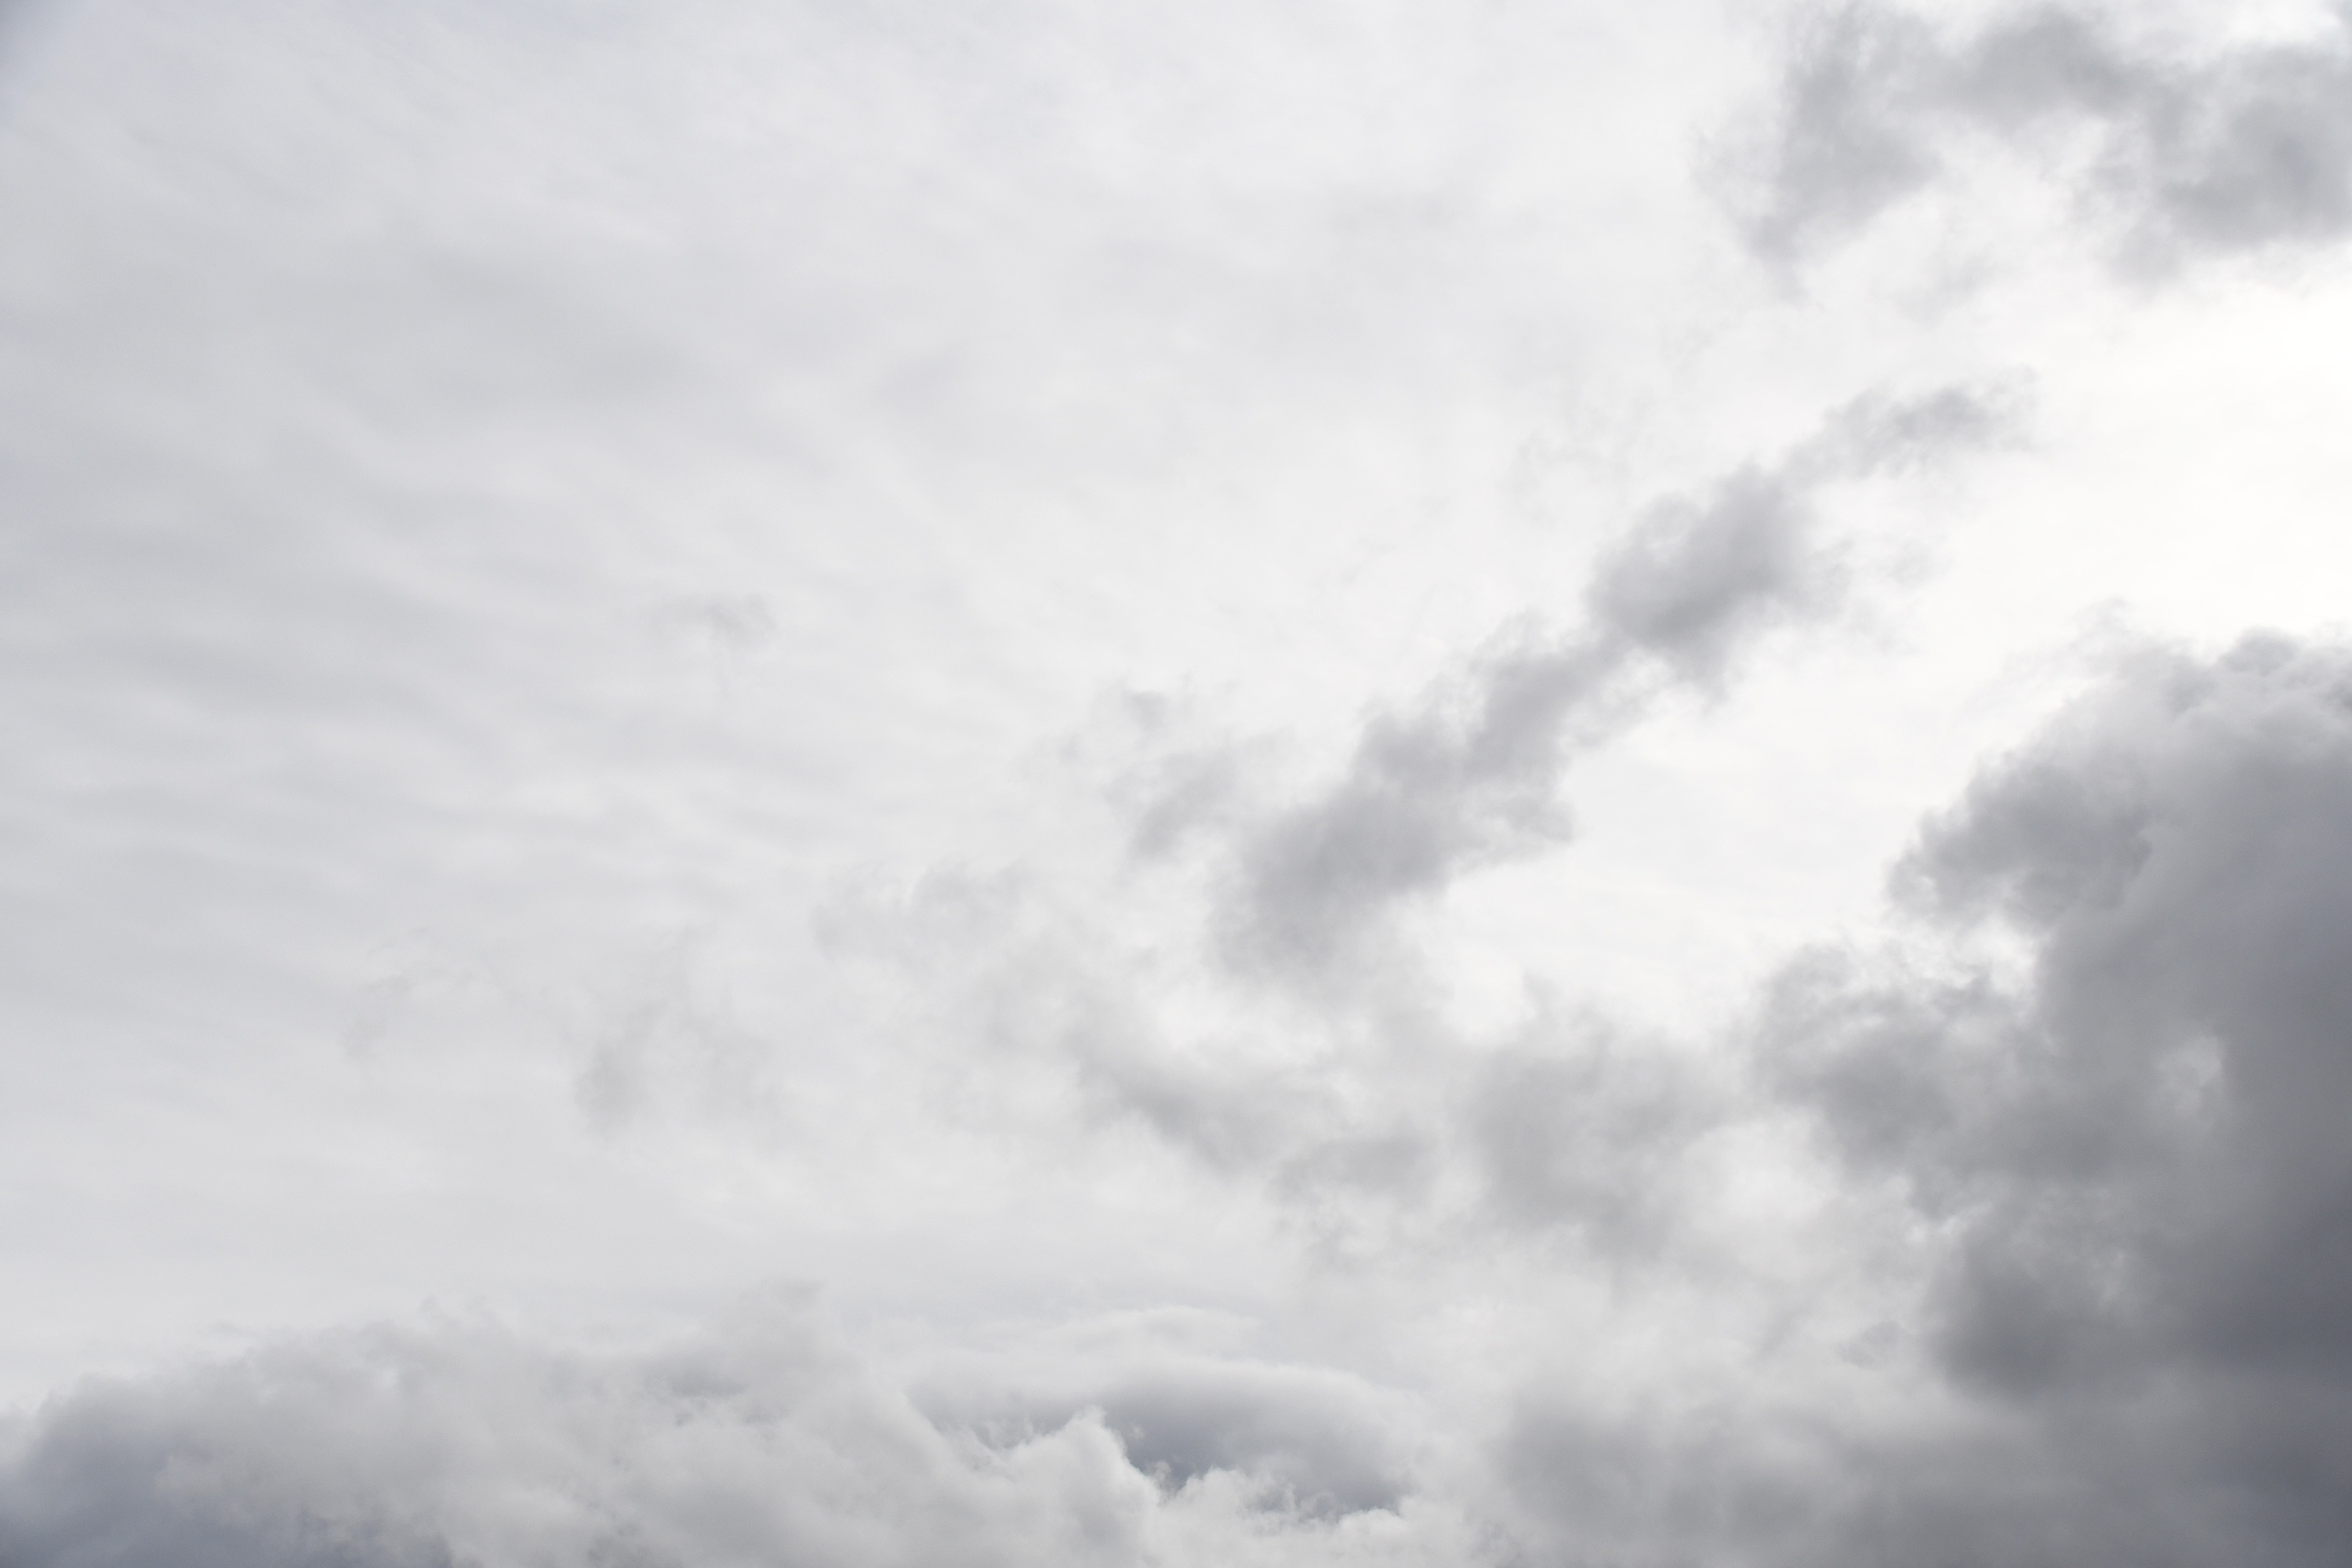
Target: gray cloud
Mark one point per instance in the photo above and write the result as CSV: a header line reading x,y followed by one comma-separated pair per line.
x,y
761,1441
358,454
1471,778
1732,1479
1402,1133
1371,1123
1592,1135
2134,1159
1424,799
15,17
2243,149
1301,1432
2120,1169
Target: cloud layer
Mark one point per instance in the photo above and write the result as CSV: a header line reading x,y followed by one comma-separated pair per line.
x,y
561,561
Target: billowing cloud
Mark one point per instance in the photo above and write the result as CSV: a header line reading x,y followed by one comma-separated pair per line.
x,y
2180,152
2131,1159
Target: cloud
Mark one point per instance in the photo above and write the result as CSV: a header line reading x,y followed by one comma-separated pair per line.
x,y
1728,1479
2130,1159
1590,1134
2237,150
1185,1403
913,383
1367,1120
728,625
1369,1138
1471,777
2080,1294
763,1440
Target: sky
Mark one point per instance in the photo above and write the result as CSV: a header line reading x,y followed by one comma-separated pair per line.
x,y
846,782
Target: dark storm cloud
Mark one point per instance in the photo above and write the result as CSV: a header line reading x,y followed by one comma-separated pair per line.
x,y
2138,1159
1470,779
2246,148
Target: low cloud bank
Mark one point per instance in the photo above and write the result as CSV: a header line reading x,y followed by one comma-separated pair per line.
x,y
764,1441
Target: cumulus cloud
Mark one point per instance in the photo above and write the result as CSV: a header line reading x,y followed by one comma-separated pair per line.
x,y
2232,151
2132,1159
1471,778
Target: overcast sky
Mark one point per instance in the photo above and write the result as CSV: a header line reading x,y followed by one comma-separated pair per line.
x,y
854,781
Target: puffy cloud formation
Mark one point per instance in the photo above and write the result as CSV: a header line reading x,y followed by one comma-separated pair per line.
x,y
2185,154
2131,1165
